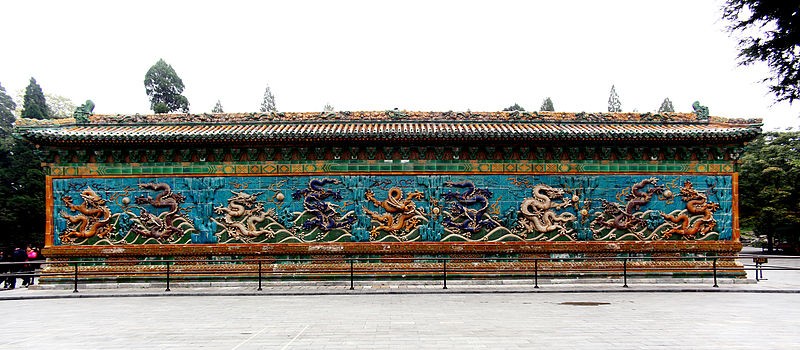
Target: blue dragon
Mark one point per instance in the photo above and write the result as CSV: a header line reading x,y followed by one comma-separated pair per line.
x,y
462,205
325,216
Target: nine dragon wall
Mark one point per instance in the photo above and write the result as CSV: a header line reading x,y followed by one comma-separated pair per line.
x,y
390,208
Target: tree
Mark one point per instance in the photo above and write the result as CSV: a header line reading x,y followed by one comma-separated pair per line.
x,y
217,107
547,105
7,107
769,184
164,88
769,31
614,104
515,107
22,203
666,106
21,184
34,105
60,106
268,102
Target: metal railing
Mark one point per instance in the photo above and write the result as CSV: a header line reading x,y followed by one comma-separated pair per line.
x,y
358,267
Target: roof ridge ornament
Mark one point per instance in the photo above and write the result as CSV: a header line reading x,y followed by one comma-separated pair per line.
x,y
396,114
83,112
701,111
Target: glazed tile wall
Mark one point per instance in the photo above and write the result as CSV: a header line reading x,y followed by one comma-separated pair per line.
x,y
109,210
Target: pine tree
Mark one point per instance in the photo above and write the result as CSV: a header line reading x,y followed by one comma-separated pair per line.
x,y
268,102
21,183
666,106
164,88
547,105
34,105
614,104
217,108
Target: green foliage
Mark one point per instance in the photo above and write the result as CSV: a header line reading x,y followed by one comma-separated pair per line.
x,y
7,107
769,31
666,106
268,102
21,183
614,104
164,88
22,190
160,108
217,107
34,105
547,105
769,185
515,107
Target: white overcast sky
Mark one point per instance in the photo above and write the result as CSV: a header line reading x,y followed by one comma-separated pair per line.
x,y
377,55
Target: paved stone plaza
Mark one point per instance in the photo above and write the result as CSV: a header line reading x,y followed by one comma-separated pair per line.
x,y
392,315
410,321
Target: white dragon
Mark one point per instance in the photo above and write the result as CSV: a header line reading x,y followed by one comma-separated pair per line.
x,y
243,214
539,211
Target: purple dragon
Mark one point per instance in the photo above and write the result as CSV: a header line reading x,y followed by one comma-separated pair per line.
x,y
325,216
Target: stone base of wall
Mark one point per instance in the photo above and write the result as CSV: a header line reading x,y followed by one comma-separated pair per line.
x,y
452,249
331,260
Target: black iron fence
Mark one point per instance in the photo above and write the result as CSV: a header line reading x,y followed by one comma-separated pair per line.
x,y
356,268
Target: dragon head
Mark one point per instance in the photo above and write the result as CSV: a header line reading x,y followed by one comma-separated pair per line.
x,y
90,196
243,198
688,192
552,192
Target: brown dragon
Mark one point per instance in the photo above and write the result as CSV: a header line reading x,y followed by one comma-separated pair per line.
x,y
399,212
696,204
92,219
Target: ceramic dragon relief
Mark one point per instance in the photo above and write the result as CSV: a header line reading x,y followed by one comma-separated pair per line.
x,y
468,211
401,215
696,219
539,213
627,217
93,217
391,208
244,217
170,224
322,213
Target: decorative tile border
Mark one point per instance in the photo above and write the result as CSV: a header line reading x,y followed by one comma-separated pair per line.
x,y
393,166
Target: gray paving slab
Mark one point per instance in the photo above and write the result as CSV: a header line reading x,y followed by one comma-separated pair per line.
x,y
410,321
495,314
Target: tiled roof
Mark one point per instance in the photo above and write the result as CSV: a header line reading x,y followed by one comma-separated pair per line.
x,y
400,127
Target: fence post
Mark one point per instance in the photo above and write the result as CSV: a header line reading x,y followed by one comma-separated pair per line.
x,y
167,290
351,273
76,278
625,273
715,273
536,273
259,274
444,273
757,267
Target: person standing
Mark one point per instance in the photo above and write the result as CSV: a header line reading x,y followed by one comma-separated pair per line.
x,y
18,257
31,256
